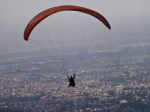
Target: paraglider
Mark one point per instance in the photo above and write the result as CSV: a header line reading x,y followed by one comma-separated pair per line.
x,y
71,80
44,14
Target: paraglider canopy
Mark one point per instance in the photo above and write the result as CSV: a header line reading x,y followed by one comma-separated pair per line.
x,y
44,14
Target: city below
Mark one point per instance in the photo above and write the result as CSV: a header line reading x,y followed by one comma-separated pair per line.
x,y
106,81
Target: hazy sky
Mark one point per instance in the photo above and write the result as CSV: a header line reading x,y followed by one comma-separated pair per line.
x,y
130,20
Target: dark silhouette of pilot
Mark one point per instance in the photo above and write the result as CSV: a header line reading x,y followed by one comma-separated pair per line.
x,y
71,80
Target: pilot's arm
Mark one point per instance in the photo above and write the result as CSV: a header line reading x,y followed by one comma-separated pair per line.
x,y
68,76
74,75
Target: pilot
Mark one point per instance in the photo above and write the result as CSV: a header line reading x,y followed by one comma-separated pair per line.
x,y
71,80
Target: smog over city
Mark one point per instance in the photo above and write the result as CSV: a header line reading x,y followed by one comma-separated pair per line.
x,y
103,45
